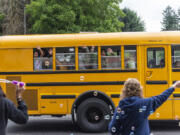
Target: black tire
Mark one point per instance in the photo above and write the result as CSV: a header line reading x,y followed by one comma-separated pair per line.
x,y
91,115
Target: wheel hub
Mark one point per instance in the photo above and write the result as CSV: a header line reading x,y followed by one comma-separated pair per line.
x,y
94,115
97,118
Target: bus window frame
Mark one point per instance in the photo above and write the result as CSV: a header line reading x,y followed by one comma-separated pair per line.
x,y
97,58
124,46
172,54
120,47
74,58
43,70
156,48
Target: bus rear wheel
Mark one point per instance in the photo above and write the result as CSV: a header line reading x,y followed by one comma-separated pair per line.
x,y
91,115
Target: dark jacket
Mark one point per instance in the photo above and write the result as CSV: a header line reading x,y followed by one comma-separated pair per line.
x,y
131,115
9,111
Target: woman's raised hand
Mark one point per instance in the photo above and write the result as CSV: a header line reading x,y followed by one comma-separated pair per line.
x,y
176,84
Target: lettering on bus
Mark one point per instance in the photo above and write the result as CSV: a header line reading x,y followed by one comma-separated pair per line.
x,y
42,58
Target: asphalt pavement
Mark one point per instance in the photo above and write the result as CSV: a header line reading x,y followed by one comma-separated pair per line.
x,y
47,125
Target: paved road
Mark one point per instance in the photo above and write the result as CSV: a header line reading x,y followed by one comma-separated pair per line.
x,y
46,125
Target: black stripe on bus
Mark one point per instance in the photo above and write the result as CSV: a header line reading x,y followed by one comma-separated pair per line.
x,y
74,83
176,70
173,82
156,82
67,72
176,95
115,95
57,96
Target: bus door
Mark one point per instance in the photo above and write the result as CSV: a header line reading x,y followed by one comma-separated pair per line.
x,y
175,52
156,77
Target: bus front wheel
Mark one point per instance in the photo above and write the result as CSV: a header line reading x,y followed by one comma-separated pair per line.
x,y
91,115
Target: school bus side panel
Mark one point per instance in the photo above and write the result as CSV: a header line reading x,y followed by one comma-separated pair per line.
x,y
16,60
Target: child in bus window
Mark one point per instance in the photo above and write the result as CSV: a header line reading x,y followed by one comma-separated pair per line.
x,y
47,65
60,64
37,62
152,63
40,51
50,52
177,64
162,63
103,58
126,62
131,63
70,62
103,52
84,49
93,58
38,54
84,57
111,60
110,52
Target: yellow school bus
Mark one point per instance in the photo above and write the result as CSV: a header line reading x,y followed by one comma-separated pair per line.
x,y
83,74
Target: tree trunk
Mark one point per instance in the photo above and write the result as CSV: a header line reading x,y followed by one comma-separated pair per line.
x,y
13,10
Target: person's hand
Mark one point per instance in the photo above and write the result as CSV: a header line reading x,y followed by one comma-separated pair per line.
x,y
19,91
176,84
38,47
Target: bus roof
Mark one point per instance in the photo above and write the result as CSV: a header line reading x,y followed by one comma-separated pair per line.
x,y
88,39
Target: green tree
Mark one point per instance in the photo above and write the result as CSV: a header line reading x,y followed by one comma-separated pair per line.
x,y
178,14
71,16
1,21
132,22
170,19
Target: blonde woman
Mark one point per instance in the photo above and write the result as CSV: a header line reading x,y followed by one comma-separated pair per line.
x,y
131,115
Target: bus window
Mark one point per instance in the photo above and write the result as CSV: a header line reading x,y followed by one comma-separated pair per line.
x,y
156,58
42,58
111,57
88,57
176,56
65,58
130,59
